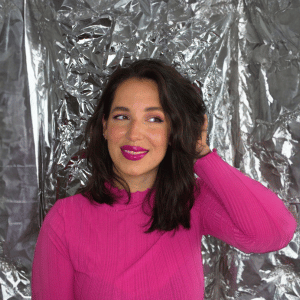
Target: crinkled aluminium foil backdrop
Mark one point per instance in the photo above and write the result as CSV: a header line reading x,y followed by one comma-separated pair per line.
x,y
55,57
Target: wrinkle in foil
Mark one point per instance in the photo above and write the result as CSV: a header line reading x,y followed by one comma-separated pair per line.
x,y
244,55
18,180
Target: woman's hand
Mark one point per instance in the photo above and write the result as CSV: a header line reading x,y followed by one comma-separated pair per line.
x,y
202,147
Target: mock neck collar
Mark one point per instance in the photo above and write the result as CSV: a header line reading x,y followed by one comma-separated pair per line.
x,y
136,197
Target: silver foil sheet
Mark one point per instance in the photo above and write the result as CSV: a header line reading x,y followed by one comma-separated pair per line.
x,y
55,57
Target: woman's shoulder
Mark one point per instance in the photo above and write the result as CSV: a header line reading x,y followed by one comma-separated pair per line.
x,y
69,205
73,200
68,213
76,200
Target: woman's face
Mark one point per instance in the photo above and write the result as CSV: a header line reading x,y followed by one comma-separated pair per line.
x,y
130,123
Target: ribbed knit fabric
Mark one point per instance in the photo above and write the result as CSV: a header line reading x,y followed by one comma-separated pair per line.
x,y
92,252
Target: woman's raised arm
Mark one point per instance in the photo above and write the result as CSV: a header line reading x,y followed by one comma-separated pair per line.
x,y
239,210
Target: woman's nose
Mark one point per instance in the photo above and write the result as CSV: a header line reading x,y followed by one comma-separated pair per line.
x,y
134,130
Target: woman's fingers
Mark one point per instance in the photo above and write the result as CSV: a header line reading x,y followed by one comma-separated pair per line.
x,y
204,131
202,147
205,125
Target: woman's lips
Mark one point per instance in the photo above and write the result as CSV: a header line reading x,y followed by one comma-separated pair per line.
x,y
133,156
133,148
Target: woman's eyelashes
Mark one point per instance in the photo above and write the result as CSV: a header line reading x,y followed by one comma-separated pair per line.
x,y
157,118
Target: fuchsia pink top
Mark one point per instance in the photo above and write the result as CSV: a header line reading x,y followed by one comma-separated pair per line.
x,y
101,252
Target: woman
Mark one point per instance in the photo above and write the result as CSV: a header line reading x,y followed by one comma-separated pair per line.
x,y
144,142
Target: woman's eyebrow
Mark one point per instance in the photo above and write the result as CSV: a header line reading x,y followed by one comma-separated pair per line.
x,y
122,108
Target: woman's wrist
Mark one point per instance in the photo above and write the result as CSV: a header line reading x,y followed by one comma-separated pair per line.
x,y
203,155
209,151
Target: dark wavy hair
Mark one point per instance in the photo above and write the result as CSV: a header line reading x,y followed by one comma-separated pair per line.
x,y
175,181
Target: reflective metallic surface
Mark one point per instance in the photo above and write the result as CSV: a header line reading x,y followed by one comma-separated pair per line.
x,y
55,57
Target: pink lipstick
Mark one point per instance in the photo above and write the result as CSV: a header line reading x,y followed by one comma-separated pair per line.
x,y
129,152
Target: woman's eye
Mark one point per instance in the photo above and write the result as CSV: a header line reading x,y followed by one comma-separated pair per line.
x,y
158,120
116,117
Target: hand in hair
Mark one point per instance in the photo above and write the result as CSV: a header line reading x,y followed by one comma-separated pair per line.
x,y
202,147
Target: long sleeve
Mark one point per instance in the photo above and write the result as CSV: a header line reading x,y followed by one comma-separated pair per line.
x,y
241,211
52,271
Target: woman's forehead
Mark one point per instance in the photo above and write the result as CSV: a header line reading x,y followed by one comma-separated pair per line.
x,y
137,94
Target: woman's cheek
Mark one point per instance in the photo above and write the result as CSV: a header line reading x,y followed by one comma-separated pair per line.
x,y
159,137
117,131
